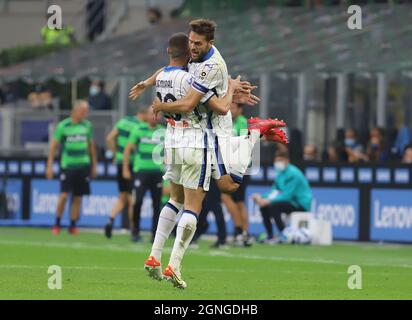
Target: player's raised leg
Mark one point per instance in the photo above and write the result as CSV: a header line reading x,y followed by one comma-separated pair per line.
x,y
234,154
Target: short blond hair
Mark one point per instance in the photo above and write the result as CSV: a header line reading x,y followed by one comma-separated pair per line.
x,y
80,102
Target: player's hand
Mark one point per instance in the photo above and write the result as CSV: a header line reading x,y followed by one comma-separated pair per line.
x,y
256,197
246,98
127,174
49,172
156,104
137,90
263,203
240,86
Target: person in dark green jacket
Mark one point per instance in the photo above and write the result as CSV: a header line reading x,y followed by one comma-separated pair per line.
x,y
290,192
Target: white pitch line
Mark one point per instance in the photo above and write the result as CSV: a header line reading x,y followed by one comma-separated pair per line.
x,y
16,266
137,248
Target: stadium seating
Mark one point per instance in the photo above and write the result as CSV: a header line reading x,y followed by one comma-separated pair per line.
x,y
263,39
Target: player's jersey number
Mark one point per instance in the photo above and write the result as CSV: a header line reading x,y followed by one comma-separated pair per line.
x,y
169,98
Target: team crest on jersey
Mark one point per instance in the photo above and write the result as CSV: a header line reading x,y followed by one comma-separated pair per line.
x,y
208,67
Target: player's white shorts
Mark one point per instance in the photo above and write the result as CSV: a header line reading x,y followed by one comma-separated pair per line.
x,y
221,154
189,167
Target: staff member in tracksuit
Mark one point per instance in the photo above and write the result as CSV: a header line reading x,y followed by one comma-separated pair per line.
x,y
290,192
78,162
148,140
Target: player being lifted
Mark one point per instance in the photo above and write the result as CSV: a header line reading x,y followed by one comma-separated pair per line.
x,y
188,158
232,155
187,227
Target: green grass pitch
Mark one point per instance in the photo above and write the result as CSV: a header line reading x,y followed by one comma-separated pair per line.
x,y
96,268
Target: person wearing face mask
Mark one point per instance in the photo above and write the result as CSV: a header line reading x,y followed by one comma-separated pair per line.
x,y
353,149
310,153
376,148
98,99
290,192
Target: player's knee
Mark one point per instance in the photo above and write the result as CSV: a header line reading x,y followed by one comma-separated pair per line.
x,y
64,196
123,197
178,198
229,187
77,199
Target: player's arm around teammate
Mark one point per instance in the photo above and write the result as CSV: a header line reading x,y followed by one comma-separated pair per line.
x,y
78,161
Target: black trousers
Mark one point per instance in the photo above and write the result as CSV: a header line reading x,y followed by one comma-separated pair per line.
x,y
143,181
212,202
275,211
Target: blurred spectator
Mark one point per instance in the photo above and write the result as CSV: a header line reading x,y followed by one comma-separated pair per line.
x,y
335,154
154,15
7,94
353,149
95,18
403,140
407,155
376,147
310,153
41,98
98,99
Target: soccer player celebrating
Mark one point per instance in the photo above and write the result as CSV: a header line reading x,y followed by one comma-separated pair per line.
x,y
78,161
188,158
231,157
210,78
116,141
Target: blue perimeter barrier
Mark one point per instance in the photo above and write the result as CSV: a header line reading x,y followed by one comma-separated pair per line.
x,y
365,203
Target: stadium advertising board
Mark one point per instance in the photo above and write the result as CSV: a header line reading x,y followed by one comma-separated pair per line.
x,y
391,215
341,207
95,208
